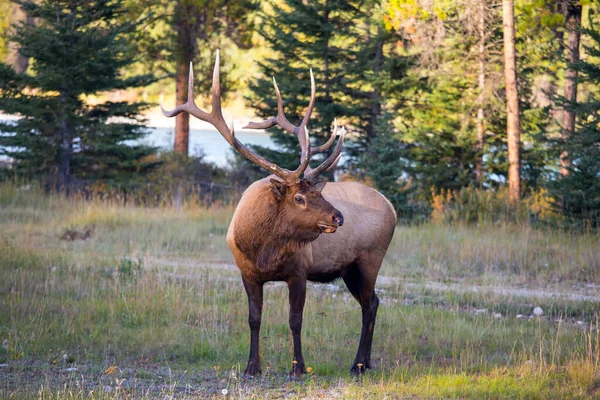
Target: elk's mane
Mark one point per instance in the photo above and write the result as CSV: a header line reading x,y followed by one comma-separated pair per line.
x,y
266,234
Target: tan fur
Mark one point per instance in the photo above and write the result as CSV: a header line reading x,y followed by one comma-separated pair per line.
x,y
368,227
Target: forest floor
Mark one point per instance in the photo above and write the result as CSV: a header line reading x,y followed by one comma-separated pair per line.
x,y
104,301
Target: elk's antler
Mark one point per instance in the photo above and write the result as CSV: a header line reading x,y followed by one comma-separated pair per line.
x,y
331,161
301,132
215,118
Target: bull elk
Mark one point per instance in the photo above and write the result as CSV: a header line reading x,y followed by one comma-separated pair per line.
x,y
294,227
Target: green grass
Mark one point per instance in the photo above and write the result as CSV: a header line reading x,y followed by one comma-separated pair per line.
x,y
155,293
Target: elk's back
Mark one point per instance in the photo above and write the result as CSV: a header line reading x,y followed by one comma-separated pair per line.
x,y
369,222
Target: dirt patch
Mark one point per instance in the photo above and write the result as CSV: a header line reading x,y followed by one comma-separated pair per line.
x,y
150,380
72,234
589,292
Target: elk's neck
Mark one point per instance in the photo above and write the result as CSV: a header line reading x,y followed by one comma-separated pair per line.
x,y
265,235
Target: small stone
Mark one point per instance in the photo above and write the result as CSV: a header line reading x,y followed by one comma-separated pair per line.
x,y
481,311
538,312
579,322
519,316
497,315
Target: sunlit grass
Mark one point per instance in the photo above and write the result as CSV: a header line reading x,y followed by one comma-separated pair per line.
x,y
154,292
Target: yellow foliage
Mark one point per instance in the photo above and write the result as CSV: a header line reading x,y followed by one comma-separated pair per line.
x,y
540,204
440,204
110,370
348,177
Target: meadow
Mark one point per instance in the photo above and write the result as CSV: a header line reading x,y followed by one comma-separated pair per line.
x,y
101,300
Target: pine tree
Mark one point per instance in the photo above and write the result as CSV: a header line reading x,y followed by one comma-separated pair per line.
x,y
577,193
78,48
338,40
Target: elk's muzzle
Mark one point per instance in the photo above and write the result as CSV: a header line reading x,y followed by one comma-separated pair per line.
x,y
337,220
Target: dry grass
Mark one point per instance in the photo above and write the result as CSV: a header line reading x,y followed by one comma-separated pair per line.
x,y
154,293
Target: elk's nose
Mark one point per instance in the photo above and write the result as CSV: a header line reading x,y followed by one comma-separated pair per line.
x,y
338,218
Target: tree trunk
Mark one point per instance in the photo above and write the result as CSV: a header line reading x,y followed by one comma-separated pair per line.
x,y
513,128
184,54
375,95
568,117
480,98
64,167
182,121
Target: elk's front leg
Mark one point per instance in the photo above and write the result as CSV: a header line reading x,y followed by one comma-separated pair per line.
x,y
297,289
254,291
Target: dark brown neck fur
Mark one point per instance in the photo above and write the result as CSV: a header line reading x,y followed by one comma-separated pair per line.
x,y
266,236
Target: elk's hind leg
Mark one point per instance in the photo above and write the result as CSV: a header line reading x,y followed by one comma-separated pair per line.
x,y
360,279
254,291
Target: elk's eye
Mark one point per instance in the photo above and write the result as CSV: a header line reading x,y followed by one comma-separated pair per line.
x,y
299,200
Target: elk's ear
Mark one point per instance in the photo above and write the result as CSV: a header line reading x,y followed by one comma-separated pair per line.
x,y
278,189
319,185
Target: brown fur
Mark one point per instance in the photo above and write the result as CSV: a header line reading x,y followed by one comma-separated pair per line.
x,y
270,243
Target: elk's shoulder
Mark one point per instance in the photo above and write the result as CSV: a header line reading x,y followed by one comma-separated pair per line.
x,y
358,195
252,208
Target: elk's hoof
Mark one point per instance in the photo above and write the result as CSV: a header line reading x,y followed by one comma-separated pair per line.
x,y
252,369
298,370
358,369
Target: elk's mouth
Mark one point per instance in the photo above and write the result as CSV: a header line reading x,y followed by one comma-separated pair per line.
x,y
327,228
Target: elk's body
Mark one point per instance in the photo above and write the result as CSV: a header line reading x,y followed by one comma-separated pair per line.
x,y
294,227
369,221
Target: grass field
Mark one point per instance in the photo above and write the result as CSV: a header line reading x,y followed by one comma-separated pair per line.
x,y
148,303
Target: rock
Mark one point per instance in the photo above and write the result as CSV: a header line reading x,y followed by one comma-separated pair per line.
x,y
579,322
481,311
538,312
497,315
519,316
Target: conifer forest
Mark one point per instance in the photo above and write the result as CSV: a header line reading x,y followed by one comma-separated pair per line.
x,y
479,121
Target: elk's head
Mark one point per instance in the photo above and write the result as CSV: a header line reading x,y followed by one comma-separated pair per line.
x,y
297,193
304,208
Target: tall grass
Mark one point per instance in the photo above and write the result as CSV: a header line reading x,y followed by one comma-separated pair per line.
x,y
154,292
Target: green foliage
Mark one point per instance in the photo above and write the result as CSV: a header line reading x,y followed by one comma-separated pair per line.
x,y
77,49
386,156
129,269
180,179
578,193
184,31
341,42
5,10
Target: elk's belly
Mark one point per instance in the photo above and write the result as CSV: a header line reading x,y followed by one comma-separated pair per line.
x,y
324,276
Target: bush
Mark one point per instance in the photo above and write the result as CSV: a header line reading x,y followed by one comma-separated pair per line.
x,y
479,206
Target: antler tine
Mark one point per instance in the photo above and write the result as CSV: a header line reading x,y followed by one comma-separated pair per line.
x,y
334,164
299,131
311,103
215,117
280,119
331,161
325,146
190,105
216,89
